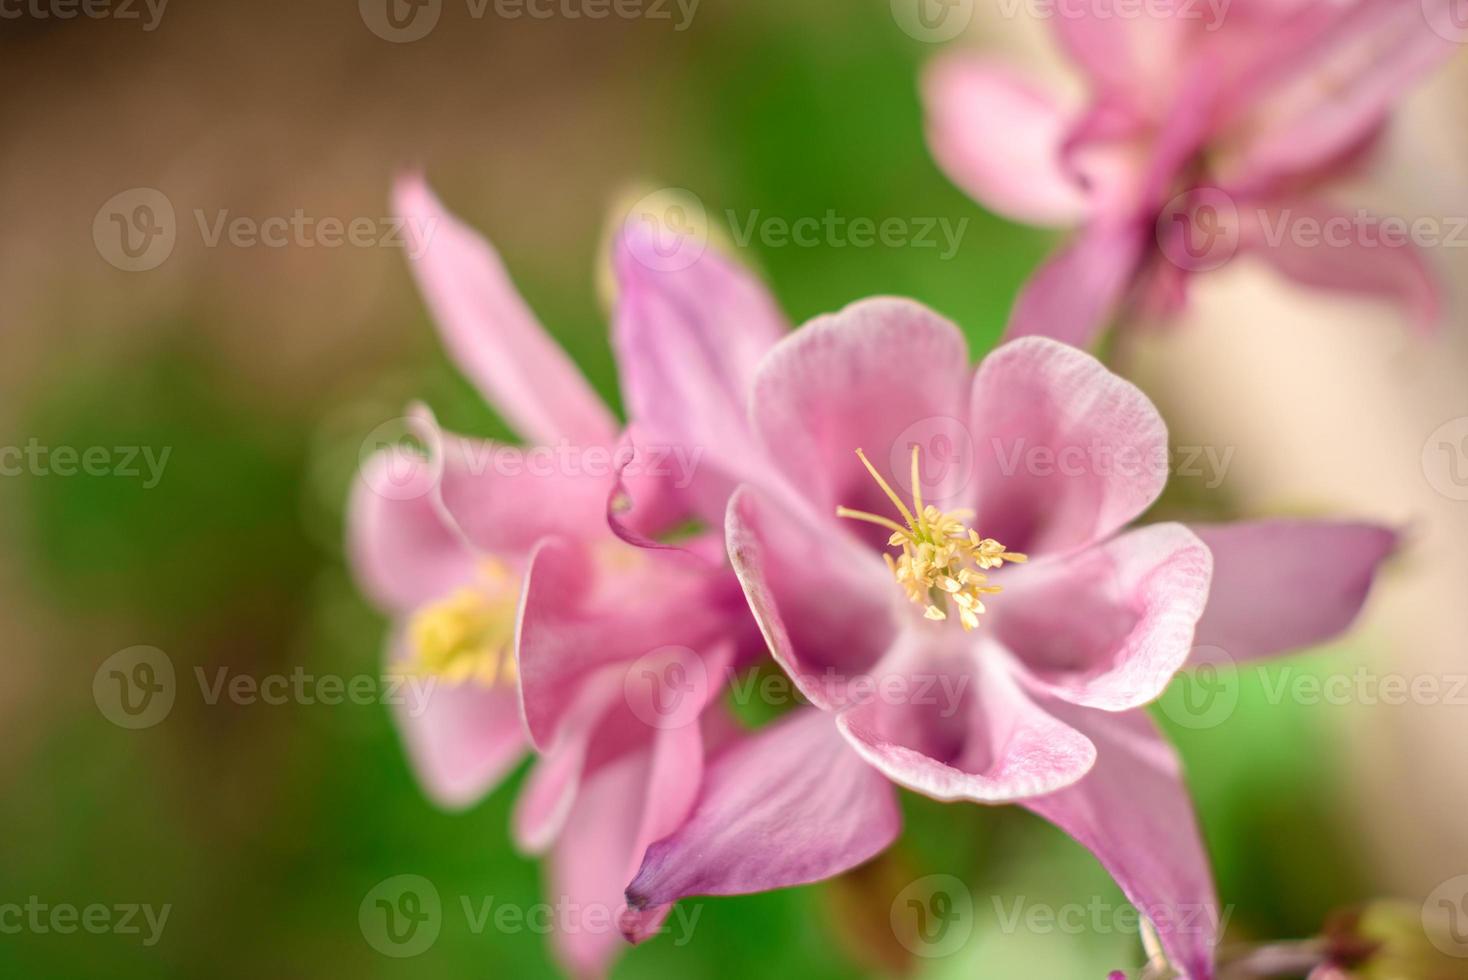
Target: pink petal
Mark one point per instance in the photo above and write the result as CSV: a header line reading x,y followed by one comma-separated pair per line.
x,y
688,341
592,862
1135,58
1109,626
462,739
1075,294
490,332
1357,257
949,721
998,136
1133,813
822,601
1067,451
880,375
578,617
1344,66
1283,585
402,551
790,804
504,499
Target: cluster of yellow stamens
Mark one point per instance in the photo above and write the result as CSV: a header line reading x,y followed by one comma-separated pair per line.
x,y
942,557
470,634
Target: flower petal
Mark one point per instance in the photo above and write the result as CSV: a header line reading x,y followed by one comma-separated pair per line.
x,y
688,341
462,739
1073,296
1133,813
402,550
875,376
788,805
490,332
1109,626
1283,585
949,721
1135,58
822,601
504,499
998,136
1345,254
1067,451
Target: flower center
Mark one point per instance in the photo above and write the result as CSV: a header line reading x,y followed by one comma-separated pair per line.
x,y
942,559
470,634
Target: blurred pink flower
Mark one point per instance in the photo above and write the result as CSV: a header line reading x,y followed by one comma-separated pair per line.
x,y
539,626
1207,136
1038,704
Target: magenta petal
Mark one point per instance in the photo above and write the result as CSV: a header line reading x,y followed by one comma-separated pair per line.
x,y
504,499
1073,296
490,332
1344,69
1109,626
790,804
879,375
822,601
1133,813
576,618
402,550
948,720
1135,58
462,739
1068,452
688,341
592,861
1283,585
1359,258
998,137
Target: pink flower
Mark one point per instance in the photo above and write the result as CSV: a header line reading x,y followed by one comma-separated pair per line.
x,y
537,625
1205,136
886,612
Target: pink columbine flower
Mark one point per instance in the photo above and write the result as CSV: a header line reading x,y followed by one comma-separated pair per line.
x,y
1206,136
886,493
537,624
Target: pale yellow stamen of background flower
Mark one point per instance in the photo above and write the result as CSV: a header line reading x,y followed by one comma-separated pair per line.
x,y
469,636
942,558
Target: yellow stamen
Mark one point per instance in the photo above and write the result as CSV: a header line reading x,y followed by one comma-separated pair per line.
x,y
942,558
470,634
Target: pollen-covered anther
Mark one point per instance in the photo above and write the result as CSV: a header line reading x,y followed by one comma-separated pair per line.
x,y
468,636
942,559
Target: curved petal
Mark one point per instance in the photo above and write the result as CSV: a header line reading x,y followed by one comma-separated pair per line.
x,y
1109,626
490,332
1135,58
1283,585
504,499
822,601
688,341
1344,66
1073,296
1346,253
947,719
998,136
462,739
1133,813
1067,451
788,805
402,551
878,376
582,611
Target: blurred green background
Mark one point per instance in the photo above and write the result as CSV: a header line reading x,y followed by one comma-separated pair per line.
x,y
264,370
